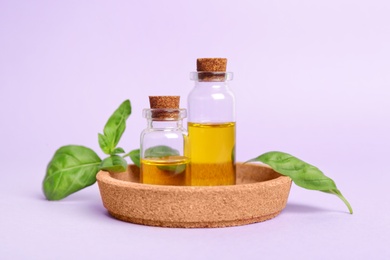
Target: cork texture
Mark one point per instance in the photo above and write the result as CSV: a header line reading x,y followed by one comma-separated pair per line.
x,y
211,64
164,101
260,194
162,104
209,69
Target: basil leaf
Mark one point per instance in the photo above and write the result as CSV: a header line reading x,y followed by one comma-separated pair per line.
x,y
233,154
135,157
302,174
113,164
118,150
160,151
115,127
173,169
71,169
103,143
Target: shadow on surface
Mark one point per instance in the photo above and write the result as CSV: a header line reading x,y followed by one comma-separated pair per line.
x,y
301,208
79,197
98,208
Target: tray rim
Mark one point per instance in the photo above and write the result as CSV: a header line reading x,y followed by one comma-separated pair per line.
x,y
106,177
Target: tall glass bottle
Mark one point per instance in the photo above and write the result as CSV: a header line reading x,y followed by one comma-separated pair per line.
x,y
212,125
164,149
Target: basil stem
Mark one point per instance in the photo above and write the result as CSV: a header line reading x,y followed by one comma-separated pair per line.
x,y
302,174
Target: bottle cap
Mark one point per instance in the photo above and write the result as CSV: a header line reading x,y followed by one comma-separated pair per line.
x,y
211,69
164,101
164,107
211,64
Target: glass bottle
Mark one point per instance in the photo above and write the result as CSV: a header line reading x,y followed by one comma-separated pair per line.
x,y
164,152
212,124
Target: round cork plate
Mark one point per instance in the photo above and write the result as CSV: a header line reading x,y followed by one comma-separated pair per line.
x,y
260,194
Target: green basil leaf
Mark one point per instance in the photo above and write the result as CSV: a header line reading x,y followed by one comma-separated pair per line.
x,y
135,157
302,174
116,125
104,145
233,154
118,150
71,169
113,164
173,169
161,151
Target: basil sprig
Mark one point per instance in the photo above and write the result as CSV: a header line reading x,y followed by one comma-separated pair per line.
x,y
74,167
302,174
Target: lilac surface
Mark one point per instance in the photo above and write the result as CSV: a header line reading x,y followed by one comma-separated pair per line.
x,y
311,78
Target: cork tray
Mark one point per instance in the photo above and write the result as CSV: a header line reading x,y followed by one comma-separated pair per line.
x,y
260,194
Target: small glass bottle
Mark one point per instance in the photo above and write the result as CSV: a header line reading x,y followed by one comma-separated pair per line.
x,y
212,125
164,149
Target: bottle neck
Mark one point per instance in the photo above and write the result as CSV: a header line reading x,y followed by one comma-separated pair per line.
x,y
164,117
211,76
164,124
212,84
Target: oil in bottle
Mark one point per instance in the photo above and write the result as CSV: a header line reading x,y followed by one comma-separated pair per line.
x,y
169,170
213,152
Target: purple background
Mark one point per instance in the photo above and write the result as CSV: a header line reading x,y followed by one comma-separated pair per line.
x,y
312,78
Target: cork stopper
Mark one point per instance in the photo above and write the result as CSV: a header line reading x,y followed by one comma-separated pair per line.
x,y
211,69
164,107
211,64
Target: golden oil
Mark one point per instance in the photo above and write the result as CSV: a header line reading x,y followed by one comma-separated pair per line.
x,y
212,149
167,170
